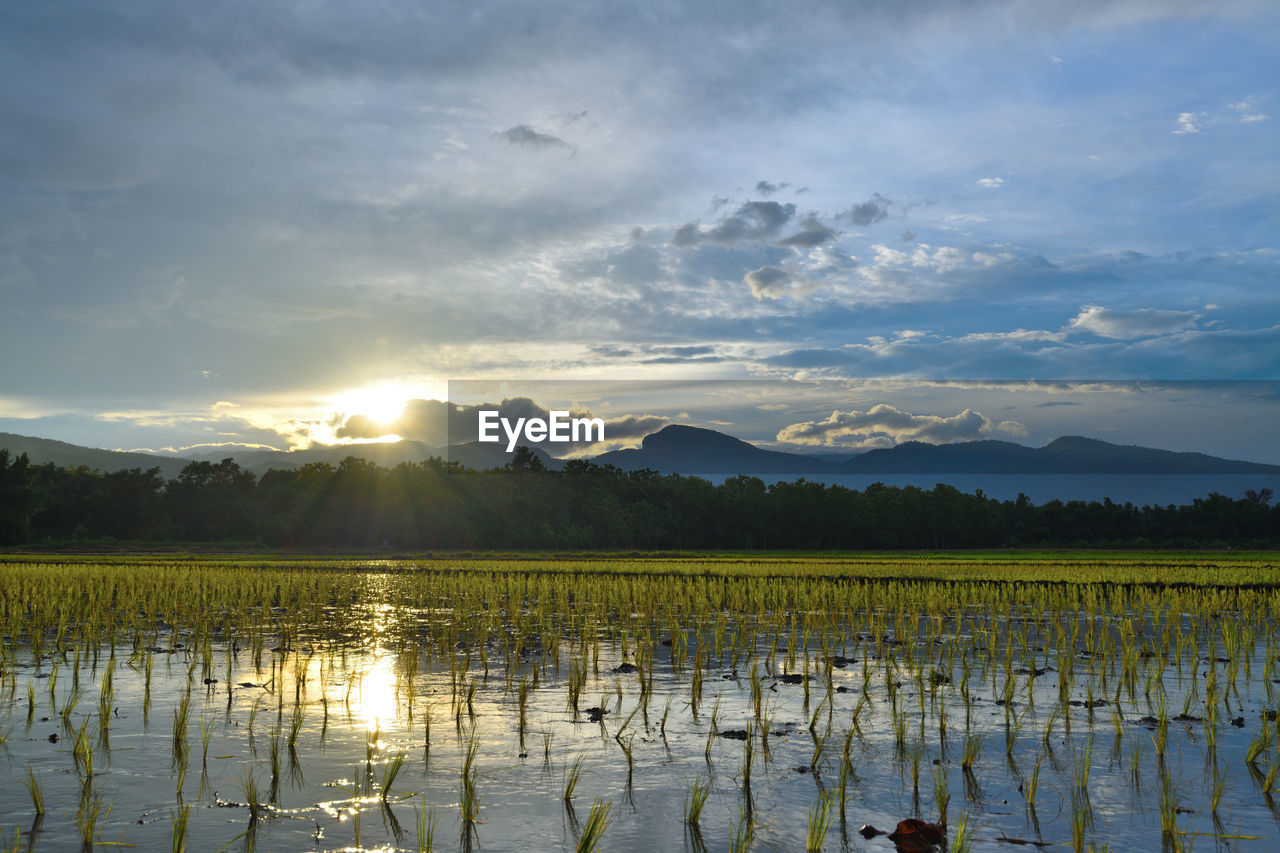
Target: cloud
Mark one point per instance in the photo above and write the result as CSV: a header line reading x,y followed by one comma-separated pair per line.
x,y
768,282
1187,123
1125,325
814,234
870,211
990,183
753,220
330,183
1249,111
633,264
886,422
523,135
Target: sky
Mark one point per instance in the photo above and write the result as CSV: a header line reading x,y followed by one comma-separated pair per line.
x,y
277,223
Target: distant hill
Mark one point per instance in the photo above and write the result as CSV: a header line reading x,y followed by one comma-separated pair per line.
x,y
1067,455
64,455
692,450
681,449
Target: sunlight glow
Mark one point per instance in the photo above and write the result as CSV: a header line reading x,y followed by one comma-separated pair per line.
x,y
377,697
382,403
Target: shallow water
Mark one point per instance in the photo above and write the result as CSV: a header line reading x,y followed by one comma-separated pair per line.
x,y
345,694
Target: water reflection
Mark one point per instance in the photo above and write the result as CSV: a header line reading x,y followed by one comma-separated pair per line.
x,y
377,700
767,710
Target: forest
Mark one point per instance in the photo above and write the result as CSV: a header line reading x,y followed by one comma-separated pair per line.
x,y
439,505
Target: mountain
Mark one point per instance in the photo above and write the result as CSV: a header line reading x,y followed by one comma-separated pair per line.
x,y
1070,454
691,450
680,449
968,457
42,450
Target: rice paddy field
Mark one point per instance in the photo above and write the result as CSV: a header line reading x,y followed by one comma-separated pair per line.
x,y
631,703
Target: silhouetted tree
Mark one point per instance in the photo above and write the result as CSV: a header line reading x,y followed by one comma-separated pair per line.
x,y
17,499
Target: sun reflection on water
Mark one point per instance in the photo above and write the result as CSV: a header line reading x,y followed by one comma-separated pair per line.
x,y
376,700
376,697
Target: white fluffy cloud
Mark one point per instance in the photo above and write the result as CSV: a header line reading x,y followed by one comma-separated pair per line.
x,y
1188,123
1125,325
884,424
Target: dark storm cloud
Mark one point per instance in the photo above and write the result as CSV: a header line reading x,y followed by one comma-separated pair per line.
x,y
814,233
870,211
527,137
754,220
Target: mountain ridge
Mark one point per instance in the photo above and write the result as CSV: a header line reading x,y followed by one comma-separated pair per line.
x,y
683,449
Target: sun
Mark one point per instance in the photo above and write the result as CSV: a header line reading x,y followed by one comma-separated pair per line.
x,y
379,408
382,403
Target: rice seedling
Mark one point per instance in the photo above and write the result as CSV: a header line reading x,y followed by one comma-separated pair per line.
x,y
941,794
1033,784
740,831
69,705
296,720
571,776
389,774
89,816
598,821
425,821
249,785
698,793
972,749
524,709
627,745
178,835
206,734
181,716
958,840
1083,766
819,822
33,788
747,615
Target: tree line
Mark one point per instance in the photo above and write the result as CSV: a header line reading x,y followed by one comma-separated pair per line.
x,y
440,505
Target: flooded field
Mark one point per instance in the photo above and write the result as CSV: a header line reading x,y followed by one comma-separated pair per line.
x,y
640,704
